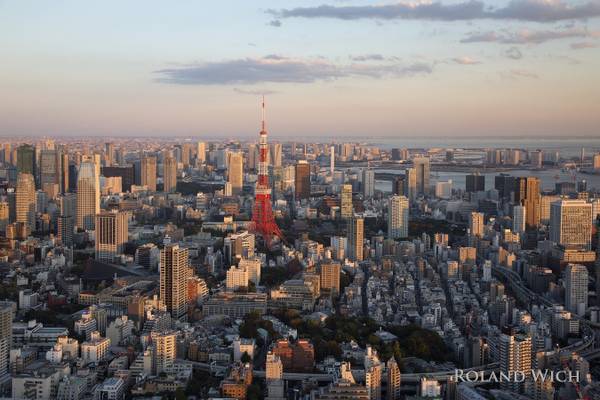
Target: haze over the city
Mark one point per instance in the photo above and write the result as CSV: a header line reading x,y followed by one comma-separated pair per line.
x,y
329,68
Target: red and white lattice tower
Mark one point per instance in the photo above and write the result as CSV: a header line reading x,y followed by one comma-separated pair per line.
x,y
262,214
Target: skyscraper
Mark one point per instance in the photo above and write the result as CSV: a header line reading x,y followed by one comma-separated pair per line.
x,y
373,372
111,235
174,271
476,223
201,153
421,165
276,154
26,159
148,172
50,167
475,183
26,200
576,288
235,172
302,180
519,219
331,160
88,196
169,174
346,207
410,183
368,182
527,193
398,185
571,223
398,211
355,238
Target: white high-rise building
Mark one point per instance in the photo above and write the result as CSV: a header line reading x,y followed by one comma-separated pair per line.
x,y
274,377
253,266
201,152
519,219
88,195
576,288
237,277
398,211
368,182
331,160
571,224
373,372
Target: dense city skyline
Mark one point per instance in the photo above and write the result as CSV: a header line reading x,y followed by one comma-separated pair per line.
x,y
343,68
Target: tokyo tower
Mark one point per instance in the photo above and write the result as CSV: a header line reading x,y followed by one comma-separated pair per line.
x,y
262,214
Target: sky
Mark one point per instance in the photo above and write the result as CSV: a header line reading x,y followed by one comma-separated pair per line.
x,y
328,68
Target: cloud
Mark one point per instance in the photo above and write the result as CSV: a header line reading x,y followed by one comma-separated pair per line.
x,y
279,69
518,74
524,10
465,61
526,36
255,92
514,53
368,57
583,45
276,23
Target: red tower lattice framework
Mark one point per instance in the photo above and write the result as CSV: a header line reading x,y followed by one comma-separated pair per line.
x,y
262,214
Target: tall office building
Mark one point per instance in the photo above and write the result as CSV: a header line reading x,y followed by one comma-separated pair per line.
x,y
398,185
302,180
476,223
330,276
475,183
186,154
515,356
346,206
276,154
393,380
109,154
356,231
576,288
169,174
571,224
505,185
111,235
235,172
64,229
25,200
64,173
50,167
331,160
148,172
368,182
410,183
88,195
519,219
6,319
26,159
201,153
174,271
527,193
398,210
421,165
